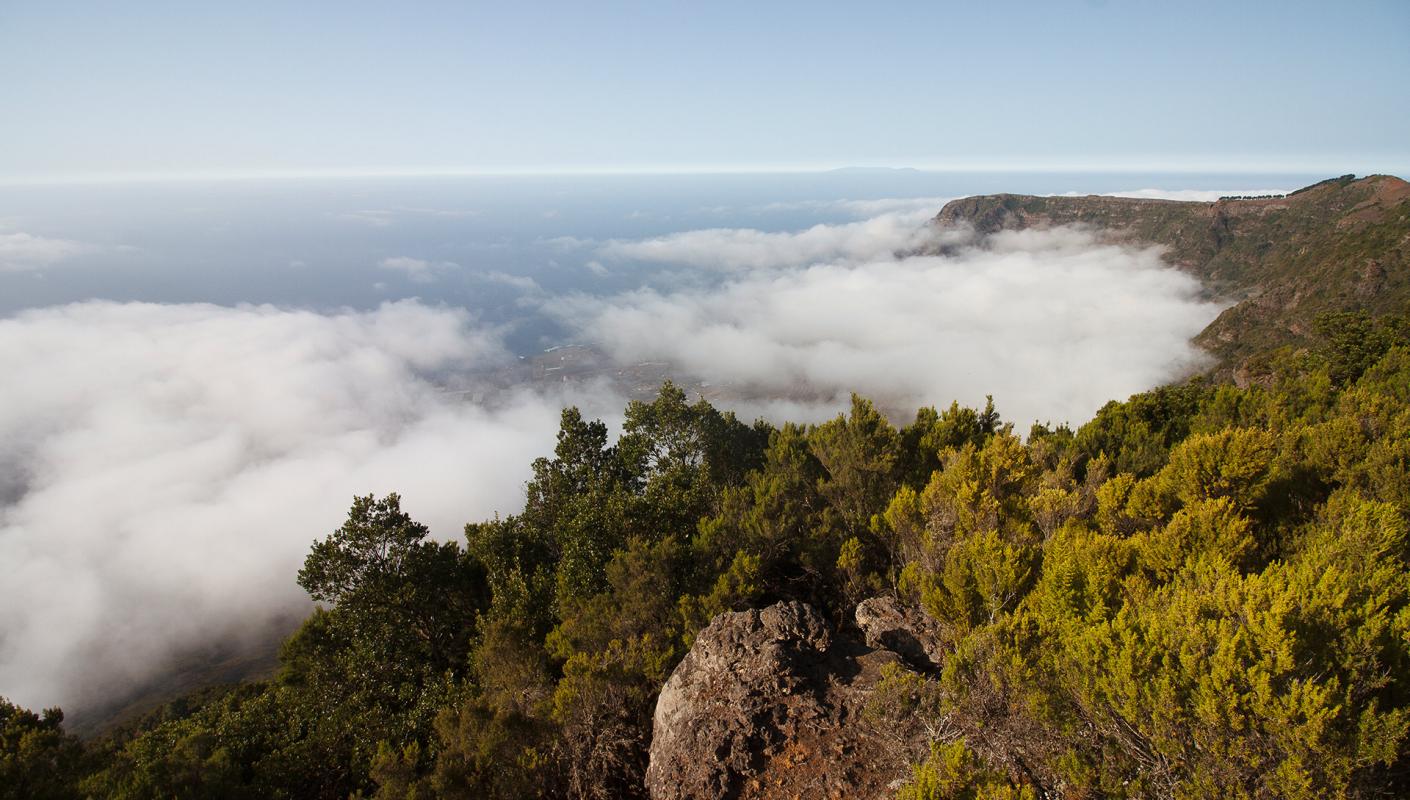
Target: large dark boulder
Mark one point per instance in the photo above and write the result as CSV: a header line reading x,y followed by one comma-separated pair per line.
x,y
770,703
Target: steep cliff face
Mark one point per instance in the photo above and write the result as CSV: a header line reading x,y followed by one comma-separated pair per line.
x,y
1336,245
771,704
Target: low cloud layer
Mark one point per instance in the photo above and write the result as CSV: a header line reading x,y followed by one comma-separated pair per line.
x,y
1053,324
864,209
387,217
164,468
1194,195
733,249
24,252
419,270
167,466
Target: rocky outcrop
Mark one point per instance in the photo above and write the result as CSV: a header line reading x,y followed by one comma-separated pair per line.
x,y
770,703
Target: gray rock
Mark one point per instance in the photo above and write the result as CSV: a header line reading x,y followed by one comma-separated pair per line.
x,y
769,704
908,632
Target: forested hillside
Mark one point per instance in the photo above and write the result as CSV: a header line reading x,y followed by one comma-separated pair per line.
x,y
1203,591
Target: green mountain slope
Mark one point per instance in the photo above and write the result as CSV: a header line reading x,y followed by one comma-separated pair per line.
x,y
1339,245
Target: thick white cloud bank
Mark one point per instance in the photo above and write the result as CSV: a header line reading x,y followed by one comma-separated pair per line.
x,y
1052,324
167,466
733,249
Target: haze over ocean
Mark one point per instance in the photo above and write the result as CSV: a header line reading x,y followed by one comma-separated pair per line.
x,y
461,241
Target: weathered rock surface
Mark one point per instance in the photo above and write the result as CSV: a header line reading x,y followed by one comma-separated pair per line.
x,y
769,703
886,624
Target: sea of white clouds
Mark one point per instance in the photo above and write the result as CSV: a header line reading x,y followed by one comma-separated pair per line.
x,y
167,466
164,467
1051,323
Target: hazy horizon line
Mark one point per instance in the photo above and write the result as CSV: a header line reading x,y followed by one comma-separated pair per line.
x,y
1226,167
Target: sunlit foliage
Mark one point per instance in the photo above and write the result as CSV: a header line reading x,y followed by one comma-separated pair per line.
x,y
1204,591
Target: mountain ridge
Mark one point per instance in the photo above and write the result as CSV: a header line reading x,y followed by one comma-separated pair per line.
x,y
1342,244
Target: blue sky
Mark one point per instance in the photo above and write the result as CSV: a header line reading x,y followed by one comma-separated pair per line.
x,y
253,88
